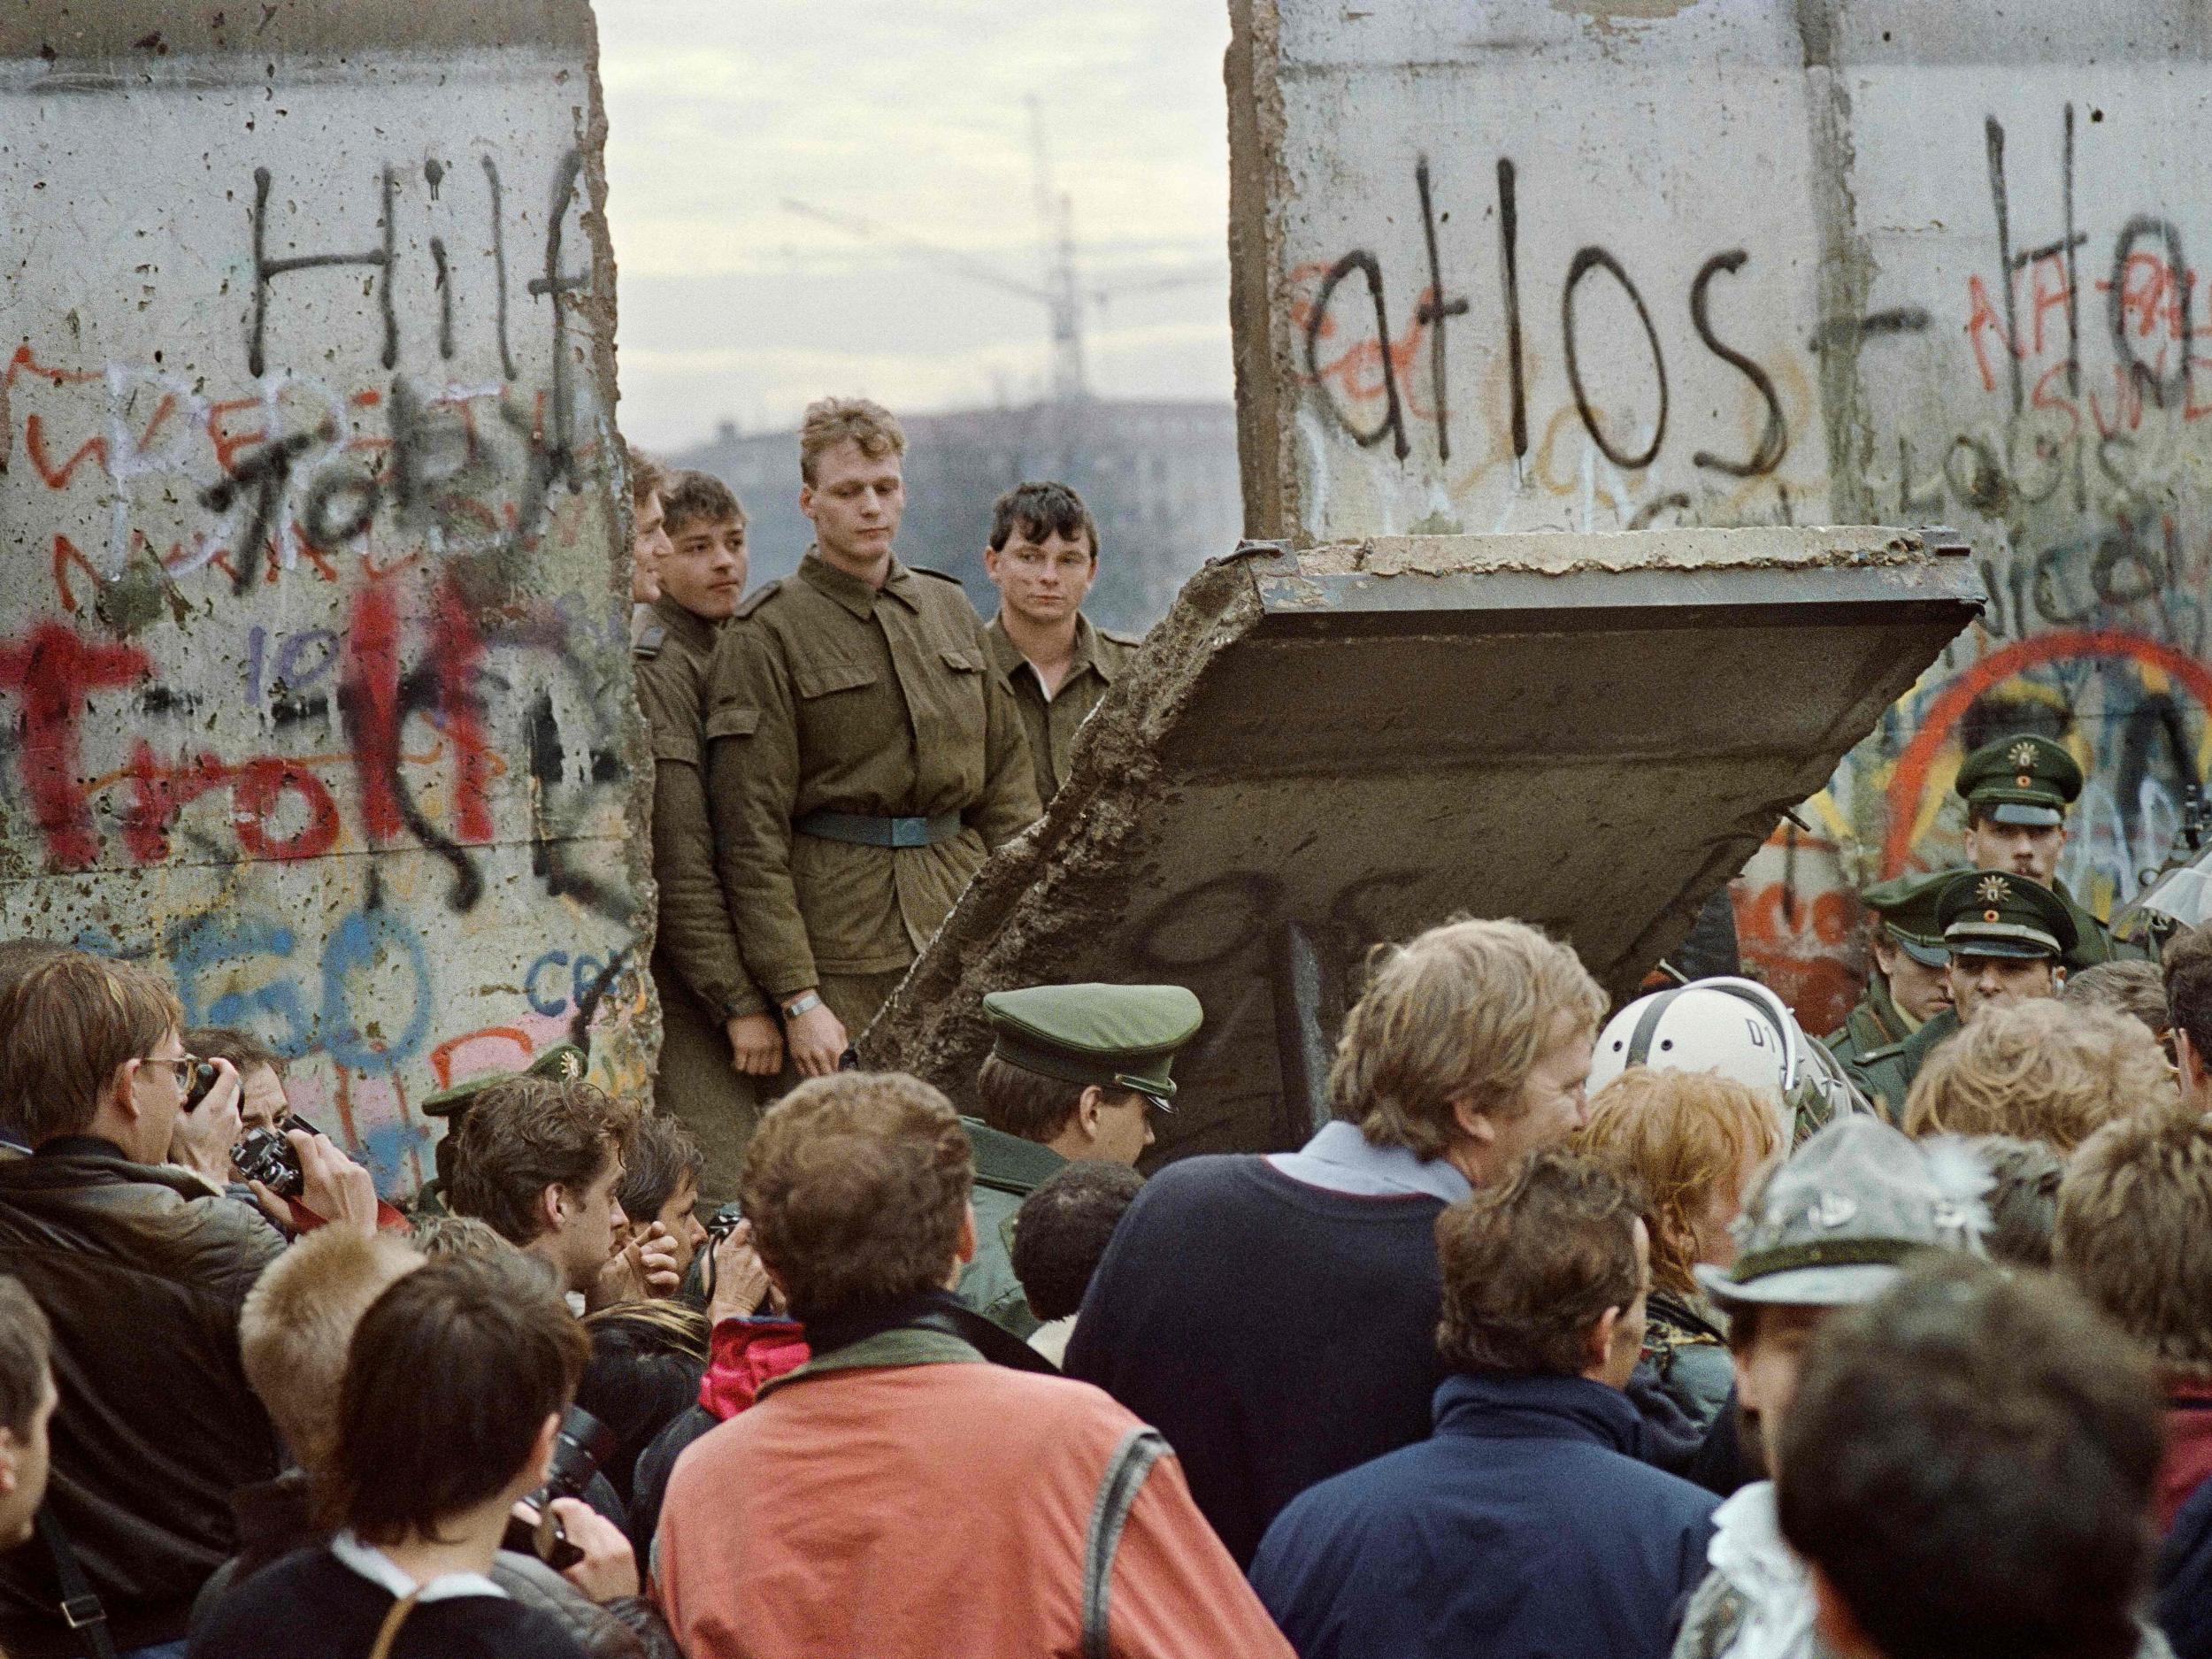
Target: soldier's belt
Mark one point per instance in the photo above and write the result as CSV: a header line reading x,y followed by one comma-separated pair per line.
x,y
858,829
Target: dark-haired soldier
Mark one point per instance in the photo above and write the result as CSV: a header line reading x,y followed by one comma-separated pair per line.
x,y
1042,558
720,1046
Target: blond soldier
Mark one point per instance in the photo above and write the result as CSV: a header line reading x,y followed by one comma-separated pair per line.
x,y
864,753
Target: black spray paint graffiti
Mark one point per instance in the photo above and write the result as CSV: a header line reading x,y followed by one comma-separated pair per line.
x,y
432,454
1436,309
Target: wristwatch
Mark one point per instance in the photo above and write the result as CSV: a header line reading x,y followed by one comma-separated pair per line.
x,y
799,1005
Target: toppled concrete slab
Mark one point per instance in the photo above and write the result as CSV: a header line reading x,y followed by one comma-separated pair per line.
x,y
1316,751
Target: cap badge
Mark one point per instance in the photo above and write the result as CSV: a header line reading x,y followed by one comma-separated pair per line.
x,y
571,1066
2022,756
1992,890
2023,780
1832,1210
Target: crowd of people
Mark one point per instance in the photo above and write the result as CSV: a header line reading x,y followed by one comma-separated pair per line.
x,y
1672,1332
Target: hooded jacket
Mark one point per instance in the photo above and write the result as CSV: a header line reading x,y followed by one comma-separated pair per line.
x,y
1526,1525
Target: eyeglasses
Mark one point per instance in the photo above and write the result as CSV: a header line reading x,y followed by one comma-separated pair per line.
x,y
179,1068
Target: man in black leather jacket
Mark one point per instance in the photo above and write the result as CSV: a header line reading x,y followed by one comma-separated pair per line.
x,y
141,1267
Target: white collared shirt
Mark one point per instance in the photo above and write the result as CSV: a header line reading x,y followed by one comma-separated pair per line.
x,y
1341,1159
381,1570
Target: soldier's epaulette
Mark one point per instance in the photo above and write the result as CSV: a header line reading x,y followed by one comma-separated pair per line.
x,y
1132,640
648,645
754,600
1890,1053
924,569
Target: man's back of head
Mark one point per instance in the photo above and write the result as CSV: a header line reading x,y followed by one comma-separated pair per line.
x,y
2186,963
1967,1467
2040,1070
2134,1234
298,1322
856,1187
1545,1273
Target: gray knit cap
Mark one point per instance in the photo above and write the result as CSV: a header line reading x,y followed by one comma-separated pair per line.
x,y
1830,1226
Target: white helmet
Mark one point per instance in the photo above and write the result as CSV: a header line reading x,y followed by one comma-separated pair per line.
x,y
1737,1028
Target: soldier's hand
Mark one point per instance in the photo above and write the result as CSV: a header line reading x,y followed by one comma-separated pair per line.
x,y
755,1044
817,1041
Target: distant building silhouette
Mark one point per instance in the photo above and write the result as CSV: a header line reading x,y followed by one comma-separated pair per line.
x,y
1161,477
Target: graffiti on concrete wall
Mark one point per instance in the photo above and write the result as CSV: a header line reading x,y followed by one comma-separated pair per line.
x,y
1969,298
314,654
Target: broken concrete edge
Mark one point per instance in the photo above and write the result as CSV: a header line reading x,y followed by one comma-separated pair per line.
x,y
1567,555
1260,191
640,1010
1069,861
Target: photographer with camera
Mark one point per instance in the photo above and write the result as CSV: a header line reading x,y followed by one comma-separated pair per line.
x,y
458,1379
141,1267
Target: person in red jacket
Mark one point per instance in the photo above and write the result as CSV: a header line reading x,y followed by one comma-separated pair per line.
x,y
897,1495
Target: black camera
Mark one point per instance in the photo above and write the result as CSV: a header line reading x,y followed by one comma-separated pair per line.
x,y
583,1443
266,1156
203,1081
724,1221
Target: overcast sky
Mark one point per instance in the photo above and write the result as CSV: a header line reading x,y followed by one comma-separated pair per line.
x,y
912,114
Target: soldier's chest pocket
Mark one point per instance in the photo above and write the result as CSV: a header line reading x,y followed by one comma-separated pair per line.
x,y
838,701
951,708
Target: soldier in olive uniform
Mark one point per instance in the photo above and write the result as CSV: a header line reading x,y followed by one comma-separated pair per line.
x,y
719,1039
863,755
2009,938
564,1061
1074,1074
1906,984
1042,557
2016,792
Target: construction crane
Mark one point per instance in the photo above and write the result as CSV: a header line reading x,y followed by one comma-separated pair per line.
x,y
1060,292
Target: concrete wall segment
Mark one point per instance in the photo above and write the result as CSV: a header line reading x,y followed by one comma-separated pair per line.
x,y
314,644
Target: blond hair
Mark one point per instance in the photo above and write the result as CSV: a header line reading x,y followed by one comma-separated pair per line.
x,y
69,1023
297,1321
2040,1070
2134,1233
830,421
1681,1137
1462,1013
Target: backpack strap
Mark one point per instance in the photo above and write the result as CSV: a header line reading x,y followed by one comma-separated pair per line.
x,y
1139,1449
80,1606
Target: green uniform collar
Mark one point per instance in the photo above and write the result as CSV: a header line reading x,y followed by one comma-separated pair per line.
x,y
850,592
883,1351
1008,1162
1889,1015
1009,656
687,625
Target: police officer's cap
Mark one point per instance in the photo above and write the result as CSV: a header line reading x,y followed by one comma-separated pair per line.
x,y
1907,907
561,1063
2025,779
1114,1036
1995,913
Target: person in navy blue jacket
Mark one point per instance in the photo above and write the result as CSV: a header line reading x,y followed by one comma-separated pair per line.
x,y
1525,1527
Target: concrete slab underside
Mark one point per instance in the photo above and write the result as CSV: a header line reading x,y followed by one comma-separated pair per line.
x,y
1318,751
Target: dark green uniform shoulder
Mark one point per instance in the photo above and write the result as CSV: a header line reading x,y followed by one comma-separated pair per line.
x,y
942,576
1127,641
758,597
648,642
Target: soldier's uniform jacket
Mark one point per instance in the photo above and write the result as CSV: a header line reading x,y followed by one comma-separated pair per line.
x,y
1885,1075
1007,1169
1876,1023
828,695
1049,723
695,941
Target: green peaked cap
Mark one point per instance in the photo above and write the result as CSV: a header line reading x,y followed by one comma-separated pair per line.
x,y
563,1061
1907,907
1995,913
1116,1036
2020,780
